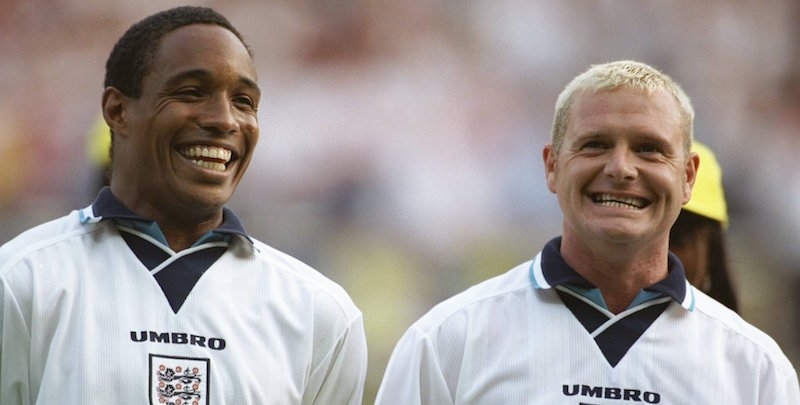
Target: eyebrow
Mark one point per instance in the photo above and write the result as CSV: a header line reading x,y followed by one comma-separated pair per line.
x,y
251,84
205,74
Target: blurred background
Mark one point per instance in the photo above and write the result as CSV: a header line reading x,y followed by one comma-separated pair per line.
x,y
400,149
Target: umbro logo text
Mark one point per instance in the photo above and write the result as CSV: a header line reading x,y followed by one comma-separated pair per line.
x,y
177,338
622,394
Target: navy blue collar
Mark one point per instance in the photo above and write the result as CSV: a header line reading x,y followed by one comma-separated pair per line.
x,y
107,206
549,270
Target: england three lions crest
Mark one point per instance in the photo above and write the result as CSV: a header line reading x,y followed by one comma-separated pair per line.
x,y
178,380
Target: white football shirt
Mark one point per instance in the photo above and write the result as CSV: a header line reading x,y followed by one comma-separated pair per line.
x,y
523,338
91,315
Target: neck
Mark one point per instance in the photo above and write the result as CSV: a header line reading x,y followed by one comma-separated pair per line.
x,y
619,271
181,237
181,226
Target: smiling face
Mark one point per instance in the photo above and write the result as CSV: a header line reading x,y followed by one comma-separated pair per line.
x,y
622,174
181,148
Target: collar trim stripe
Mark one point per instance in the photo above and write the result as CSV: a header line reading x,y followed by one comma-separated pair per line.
x,y
537,275
688,299
87,216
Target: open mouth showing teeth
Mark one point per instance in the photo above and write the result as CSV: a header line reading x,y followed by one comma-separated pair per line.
x,y
208,157
609,200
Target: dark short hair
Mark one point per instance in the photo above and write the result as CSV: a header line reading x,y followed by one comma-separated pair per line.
x,y
132,56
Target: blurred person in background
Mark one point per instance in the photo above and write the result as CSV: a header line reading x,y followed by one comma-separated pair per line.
x,y
698,235
604,312
98,144
155,293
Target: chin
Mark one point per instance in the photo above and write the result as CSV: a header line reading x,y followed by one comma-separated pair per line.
x,y
209,198
623,236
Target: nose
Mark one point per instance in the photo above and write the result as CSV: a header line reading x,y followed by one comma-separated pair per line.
x,y
219,115
621,164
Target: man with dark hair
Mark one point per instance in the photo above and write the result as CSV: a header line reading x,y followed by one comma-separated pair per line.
x,y
155,293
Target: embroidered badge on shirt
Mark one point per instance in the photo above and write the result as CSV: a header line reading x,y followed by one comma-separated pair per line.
x,y
178,380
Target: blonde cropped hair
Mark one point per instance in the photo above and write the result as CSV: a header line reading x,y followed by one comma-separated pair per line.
x,y
614,75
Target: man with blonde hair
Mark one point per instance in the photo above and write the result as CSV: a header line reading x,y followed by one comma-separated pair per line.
x,y
604,313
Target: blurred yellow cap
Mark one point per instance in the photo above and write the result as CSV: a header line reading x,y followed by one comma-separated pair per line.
x,y
708,197
99,141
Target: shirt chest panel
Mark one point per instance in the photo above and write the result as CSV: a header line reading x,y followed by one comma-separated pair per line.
x,y
559,362
109,322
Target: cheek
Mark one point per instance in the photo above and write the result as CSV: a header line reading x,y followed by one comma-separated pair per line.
x,y
673,186
253,136
249,127
251,140
568,174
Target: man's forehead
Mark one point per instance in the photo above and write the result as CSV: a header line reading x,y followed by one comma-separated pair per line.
x,y
193,49
593,114
208,37
624,99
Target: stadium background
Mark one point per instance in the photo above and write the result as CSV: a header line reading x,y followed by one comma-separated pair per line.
x,y
400,149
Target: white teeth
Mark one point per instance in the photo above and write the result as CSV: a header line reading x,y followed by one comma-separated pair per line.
x,y
608,200
210,165
220,156
211,152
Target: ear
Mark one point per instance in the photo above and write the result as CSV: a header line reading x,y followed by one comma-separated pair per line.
x,y
549,158
692,164
114,104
